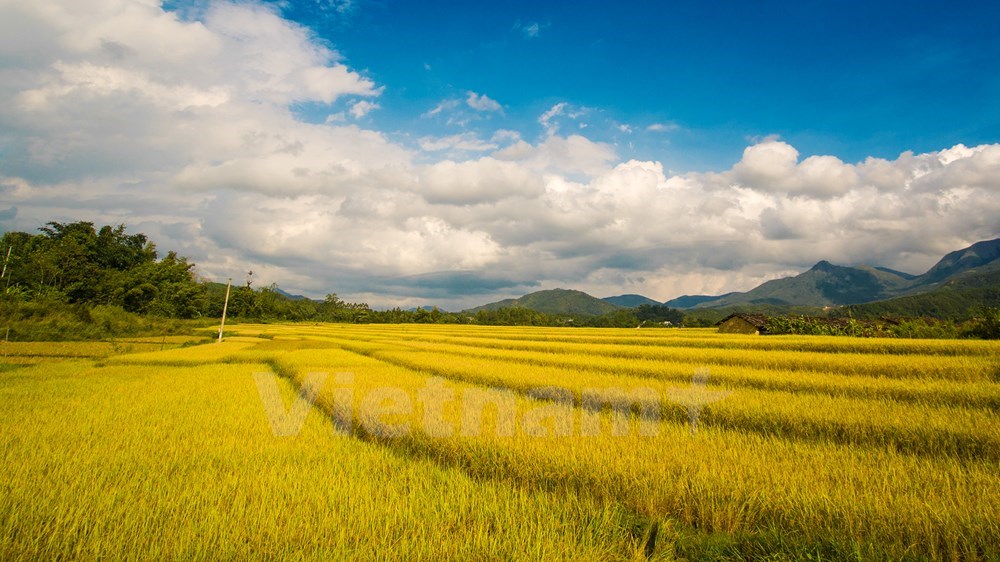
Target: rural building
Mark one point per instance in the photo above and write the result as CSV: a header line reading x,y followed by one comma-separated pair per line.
x,y
742,323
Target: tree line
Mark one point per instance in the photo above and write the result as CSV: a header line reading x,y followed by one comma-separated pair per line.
x,y
77,266
75,263
76,281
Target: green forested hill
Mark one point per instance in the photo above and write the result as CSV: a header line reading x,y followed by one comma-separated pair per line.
x,y
555,301
959,299
631,301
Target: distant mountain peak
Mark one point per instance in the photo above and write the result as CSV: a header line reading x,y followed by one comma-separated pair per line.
x,y
823,265
976,255
691,301
630,300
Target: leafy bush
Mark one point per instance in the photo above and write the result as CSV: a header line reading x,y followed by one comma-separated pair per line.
x,y
986,324
53,321
818,326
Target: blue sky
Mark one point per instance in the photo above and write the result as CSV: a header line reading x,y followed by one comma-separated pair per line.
x,y
454,153
851,79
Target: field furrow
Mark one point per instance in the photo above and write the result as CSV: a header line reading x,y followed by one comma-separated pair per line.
x,y
937,430
966,368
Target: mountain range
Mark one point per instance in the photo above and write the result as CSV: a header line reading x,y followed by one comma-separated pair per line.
x,y
962,278
826,284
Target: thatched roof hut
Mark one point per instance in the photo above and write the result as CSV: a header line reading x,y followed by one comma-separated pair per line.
x,y
743,323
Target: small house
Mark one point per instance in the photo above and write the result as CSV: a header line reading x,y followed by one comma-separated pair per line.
x,y
743,323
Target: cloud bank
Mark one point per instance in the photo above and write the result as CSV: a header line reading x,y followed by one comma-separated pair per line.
x,y
184,128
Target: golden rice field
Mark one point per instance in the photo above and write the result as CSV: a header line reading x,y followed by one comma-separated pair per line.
x,y
424,442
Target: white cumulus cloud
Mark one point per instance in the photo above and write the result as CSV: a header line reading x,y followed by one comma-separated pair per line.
x,y
363,107
482,102
467,141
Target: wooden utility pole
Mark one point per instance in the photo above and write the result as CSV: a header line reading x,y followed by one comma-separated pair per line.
x,y
3,274
224,307
6,259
